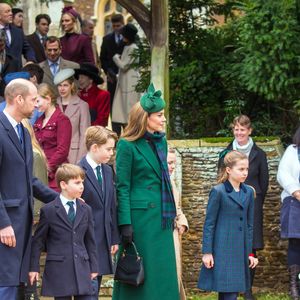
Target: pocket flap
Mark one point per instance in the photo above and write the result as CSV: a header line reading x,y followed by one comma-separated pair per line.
x,y
11,202
86,256
139,204
54,257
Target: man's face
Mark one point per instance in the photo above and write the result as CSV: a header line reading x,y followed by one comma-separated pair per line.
x,y
42,27
53,51
28,103
116,26
6,15
89,29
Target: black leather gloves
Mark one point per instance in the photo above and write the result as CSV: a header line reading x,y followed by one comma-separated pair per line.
x,y
126,234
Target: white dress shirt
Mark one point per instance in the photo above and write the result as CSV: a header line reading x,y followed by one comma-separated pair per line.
x,y
64,201
12,121
93,165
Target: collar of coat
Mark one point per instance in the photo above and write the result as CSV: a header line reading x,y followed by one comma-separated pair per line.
x,y
229,187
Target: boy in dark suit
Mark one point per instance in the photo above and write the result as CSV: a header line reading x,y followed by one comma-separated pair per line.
x,y
66,232
99,193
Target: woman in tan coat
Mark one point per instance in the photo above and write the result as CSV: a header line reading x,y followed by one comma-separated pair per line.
x,y
75,109
181,223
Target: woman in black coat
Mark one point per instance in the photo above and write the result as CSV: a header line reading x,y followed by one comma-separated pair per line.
x,y
258,178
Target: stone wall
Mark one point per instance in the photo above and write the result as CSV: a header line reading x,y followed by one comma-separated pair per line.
x,y
196,174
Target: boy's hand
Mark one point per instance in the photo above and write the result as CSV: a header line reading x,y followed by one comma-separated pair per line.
x,y
33,276
253,261
114,249
94,275
208,260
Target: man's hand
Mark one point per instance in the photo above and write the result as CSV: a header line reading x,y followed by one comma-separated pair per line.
x,y
114,249
94,275
33,276
7,236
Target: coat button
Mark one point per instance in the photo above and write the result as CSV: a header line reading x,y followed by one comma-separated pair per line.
x,y
149,187
151,205
241,218
75,255
74,232
240,228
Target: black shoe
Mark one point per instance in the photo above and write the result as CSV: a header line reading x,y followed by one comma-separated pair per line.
x,y
249,296
294,271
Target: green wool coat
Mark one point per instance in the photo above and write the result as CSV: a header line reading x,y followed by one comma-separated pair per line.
x,y
139,203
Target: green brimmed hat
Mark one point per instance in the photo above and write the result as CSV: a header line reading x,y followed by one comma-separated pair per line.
x,y
152,101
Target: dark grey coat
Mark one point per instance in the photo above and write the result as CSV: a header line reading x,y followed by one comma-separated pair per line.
x,y
71,250
258,178
103,204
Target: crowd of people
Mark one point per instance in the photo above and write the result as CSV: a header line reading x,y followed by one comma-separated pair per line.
x,y
91,205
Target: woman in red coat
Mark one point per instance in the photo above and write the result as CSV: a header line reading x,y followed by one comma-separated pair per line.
x,y
53,131
75,46
97,99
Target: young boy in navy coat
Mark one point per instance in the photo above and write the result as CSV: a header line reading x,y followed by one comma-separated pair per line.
x,y
66,232
99,193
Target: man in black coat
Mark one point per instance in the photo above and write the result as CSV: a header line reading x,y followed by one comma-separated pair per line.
x,y
38,38
112,44
16,43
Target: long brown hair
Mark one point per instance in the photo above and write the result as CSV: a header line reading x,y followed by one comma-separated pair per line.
x,y
230,160
137,123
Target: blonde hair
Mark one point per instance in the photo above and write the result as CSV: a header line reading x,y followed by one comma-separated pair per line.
x,y
230,160
66,172
98,135
137,123
76,22
243,120
45,89
35,144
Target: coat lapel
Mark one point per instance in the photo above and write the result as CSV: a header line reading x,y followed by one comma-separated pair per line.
x,y
46,68
145,149
252,154
79,212
233,195
72,106
90,175
61,212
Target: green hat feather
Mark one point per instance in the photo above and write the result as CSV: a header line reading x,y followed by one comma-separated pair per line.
x,y
152,101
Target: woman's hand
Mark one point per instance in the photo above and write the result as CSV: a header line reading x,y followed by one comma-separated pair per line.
x,y
181,229
253,261
296,195
208,260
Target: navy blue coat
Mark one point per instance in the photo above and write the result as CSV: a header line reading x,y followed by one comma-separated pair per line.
x,y
103,205
19,45
227,235
71,250
17,188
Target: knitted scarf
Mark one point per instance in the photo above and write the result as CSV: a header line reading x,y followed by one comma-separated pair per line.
x,y
168,207
245,148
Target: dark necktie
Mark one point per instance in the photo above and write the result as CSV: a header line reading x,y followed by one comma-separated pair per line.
x,y
99,175
71,212
6,29
20,134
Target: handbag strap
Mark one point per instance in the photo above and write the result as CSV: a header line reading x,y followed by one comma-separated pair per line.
x,y
134,247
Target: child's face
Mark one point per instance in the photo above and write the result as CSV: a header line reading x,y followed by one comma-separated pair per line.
x,y
103,153
239,171
73,188
171,162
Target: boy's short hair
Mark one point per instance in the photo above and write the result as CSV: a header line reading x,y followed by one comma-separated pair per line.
x,y
98,135
66,172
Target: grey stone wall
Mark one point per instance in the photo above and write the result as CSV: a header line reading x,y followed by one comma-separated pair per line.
x,y
195,175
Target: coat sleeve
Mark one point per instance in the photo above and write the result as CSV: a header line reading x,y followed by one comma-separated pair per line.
x,y
125,61
124,161
263,174
27,51
39,242
288,170
90,242
115,235
212,213
104,57
63,140
85,122
42,192
103,108
250,220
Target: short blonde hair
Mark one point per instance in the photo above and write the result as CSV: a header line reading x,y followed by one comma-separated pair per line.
x,y
45,89
137,123
66,172
98,135
243,120
75,20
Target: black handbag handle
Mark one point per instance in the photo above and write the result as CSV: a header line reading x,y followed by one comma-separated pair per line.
x,y
134,247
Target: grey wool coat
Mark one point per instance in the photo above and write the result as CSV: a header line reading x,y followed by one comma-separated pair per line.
x,y
227,235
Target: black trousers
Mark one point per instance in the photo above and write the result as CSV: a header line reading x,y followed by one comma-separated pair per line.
x,y
294,252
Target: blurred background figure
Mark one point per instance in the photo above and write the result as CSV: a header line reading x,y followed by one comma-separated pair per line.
x,y
18,17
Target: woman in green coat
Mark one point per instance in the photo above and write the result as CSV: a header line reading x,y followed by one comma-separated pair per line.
x,y
146,208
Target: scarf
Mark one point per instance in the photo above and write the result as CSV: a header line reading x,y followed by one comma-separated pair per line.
x,y
245,148
168,207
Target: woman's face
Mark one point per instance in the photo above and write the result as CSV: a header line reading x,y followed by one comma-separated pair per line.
x,y
156,122
43,103
241,134
18,19
65,89
239,172
67,23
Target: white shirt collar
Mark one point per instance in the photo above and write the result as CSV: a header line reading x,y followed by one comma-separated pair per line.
x,y
53,62
64,200
11,120
91,162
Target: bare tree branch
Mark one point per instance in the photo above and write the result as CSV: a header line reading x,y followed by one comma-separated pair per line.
x,y
140,12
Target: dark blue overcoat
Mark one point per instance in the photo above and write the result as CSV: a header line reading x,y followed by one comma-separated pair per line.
x,y
71,250
17,188
227,235
103,204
